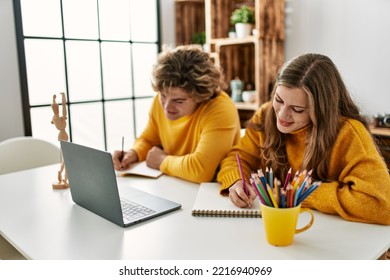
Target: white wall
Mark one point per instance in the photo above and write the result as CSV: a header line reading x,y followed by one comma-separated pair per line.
x,y
11,116
354,33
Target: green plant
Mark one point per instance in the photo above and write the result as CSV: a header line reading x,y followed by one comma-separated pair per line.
x,y
243,14
199,38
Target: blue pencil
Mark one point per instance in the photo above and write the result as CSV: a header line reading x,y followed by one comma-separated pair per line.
x,y
262,190
262,178
271,178
311,189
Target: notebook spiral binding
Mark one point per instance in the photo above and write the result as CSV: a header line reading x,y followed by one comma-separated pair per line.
x,y
224,213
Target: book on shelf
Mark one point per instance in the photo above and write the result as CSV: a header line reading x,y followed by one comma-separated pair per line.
x,y
140,169
209,202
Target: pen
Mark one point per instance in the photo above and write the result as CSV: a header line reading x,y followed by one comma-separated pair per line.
x,y
123,153
242,174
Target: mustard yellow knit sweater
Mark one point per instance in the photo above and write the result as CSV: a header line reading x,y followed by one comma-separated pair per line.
x,y
362,190
196,143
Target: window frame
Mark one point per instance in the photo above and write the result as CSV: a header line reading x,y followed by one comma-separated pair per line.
x,y
26,106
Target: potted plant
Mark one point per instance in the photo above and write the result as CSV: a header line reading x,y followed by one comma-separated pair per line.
x,y
243,18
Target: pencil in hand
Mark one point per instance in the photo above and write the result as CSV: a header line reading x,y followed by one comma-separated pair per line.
x,y
242,175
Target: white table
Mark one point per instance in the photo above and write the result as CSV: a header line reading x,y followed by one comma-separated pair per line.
x,y
43,223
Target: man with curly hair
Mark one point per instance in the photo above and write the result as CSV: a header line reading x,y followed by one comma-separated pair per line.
x,y
192,123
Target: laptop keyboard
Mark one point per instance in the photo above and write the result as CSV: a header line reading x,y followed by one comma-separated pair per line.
x,y
132,210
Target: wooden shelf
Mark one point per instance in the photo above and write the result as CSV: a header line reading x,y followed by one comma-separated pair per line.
x,y
233,41
254,59
380,131
246,106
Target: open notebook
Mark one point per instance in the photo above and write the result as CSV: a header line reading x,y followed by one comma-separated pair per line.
x,y
210,203
140,169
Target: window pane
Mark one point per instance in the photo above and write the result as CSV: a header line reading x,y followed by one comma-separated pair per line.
x,y
142,108
39,21
143,15
116,63
80,19
42,126
45,69
144,57
87,124
83,62
119,123
114,20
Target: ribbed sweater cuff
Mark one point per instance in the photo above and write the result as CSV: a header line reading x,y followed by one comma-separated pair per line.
x,y
228,180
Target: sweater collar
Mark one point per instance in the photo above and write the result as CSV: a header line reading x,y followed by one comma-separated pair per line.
x,y
301,133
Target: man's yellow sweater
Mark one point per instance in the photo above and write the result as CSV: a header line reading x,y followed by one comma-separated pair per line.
x,y
361,192
195,144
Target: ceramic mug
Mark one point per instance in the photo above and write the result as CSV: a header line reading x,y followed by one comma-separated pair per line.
x,y
280,223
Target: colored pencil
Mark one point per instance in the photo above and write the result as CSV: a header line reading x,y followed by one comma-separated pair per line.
x,y
271,178
242,174
277,191
287,179
283,198
262,178
262,190
311,189
253,184
272,197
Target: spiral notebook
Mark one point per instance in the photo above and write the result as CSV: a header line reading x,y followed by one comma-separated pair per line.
x,y
210,203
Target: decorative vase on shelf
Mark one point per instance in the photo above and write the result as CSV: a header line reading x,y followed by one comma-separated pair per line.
x,y
242,18
243,30
236,87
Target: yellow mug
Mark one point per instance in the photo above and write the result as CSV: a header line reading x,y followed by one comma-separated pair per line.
x,y
280,223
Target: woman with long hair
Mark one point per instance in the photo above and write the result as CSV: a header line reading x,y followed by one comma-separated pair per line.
x,y
312,123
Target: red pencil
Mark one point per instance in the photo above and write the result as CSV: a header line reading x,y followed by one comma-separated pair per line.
x,y
287,179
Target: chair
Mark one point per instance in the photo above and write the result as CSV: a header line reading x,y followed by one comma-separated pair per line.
x,y
22,153
18,154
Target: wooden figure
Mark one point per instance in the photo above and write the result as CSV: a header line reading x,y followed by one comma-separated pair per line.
x,y
60,124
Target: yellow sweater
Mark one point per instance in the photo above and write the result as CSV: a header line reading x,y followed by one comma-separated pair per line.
x,y
195,144
362,190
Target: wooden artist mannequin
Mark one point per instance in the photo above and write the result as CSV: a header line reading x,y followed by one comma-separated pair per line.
x,y
60,124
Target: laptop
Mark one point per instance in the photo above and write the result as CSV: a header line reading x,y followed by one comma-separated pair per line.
x,y
93,185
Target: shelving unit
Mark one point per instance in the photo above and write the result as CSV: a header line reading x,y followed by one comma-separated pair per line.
x,y
190,19
255,59
382,138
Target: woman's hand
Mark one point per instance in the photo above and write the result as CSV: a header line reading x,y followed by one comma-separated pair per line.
x,y
239,197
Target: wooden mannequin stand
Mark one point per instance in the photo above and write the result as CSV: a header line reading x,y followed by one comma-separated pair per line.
x,y
60,124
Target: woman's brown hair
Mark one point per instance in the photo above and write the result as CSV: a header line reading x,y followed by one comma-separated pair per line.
x,y
329,101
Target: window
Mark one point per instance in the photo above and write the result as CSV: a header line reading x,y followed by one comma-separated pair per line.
x,y
100,54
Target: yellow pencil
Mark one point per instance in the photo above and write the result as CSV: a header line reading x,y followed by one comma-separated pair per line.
x,y
277,190
272,196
